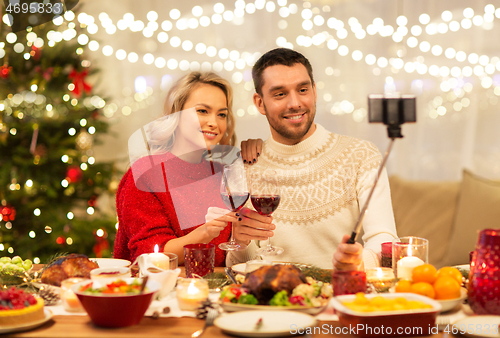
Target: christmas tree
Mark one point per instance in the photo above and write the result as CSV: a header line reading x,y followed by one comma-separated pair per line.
x,y
50,119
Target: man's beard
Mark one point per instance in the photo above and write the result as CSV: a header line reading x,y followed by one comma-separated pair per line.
x,y
291,133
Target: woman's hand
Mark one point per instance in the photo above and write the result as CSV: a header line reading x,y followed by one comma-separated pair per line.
x,y
250,150
216,220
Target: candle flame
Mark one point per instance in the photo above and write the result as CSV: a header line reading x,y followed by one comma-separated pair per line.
x,y
192,289
157,249
380,273
409,252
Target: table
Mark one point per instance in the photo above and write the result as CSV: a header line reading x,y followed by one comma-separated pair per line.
x,y
82,326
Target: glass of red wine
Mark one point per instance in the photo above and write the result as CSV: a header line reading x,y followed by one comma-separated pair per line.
x,y
265,199
234,193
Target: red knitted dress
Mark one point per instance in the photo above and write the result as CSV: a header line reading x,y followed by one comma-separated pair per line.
x,y
162,197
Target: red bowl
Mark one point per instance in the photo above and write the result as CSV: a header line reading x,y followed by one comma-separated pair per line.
x,y
418,322
116,310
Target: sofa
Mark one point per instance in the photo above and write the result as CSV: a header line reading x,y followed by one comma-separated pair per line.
x,y
449,214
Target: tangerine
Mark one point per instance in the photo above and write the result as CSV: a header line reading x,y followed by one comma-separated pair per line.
x,y
424,273
450,272
446,287
424,289
403,285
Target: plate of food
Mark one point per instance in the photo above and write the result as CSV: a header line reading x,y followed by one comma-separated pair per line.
x,y
47,315
277,288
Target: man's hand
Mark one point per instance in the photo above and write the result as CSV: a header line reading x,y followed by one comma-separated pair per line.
x,y
347,256
252,226
250,150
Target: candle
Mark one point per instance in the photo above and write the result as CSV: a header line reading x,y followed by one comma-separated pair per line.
x,y
406,265
160,260
380,278
191,292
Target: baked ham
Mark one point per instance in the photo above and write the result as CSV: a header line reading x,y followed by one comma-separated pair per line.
x,y
266,281
73,265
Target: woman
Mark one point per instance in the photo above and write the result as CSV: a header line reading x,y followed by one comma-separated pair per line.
x,y
198,117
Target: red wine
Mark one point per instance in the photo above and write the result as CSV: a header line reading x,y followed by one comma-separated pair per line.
x,y
235,201
265,204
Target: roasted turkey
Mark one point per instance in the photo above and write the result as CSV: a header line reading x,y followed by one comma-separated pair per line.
x,y
73,265
266,281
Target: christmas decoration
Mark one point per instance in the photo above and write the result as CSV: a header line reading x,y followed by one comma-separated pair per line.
x,y
4,71
8,213
46,156
74,174
79,82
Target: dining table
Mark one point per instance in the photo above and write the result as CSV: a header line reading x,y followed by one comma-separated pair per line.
x,y
73,326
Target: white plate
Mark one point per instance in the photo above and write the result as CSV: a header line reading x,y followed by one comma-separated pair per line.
x,y
450,304
110,262
234,307
27,326
478,326
274,323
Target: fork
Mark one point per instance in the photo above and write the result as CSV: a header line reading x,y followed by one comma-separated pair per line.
x,y
442,322
211,315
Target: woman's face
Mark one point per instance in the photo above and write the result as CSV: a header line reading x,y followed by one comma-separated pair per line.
x,y
210,104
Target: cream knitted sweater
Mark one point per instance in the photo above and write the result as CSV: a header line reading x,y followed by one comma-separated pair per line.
x,y
325,181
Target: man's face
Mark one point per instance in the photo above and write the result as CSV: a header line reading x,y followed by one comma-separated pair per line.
x,y
288,101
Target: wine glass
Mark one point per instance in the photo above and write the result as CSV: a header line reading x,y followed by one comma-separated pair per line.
x,y
265,199
234,193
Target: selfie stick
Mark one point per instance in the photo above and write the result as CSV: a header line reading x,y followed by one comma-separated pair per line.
x,y
392,112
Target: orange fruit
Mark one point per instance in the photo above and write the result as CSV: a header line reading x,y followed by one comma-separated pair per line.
x,y
403,286
424,289
424,273
446,287
450,272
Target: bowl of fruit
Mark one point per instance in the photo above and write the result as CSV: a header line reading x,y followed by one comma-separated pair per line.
x,y
443,285
105,300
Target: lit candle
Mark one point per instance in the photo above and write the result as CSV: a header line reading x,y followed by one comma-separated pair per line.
x,y
160,260
406,265
191,292
381,278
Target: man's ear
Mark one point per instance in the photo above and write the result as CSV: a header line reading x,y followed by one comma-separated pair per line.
x,y
259,103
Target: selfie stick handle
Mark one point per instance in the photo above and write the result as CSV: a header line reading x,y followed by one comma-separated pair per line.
x,y
357,228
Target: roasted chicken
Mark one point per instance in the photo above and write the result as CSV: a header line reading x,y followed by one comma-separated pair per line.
x,y
73,265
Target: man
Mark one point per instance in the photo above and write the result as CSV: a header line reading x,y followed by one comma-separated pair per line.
x,y
325,178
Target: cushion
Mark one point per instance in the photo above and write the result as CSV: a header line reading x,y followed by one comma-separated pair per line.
x,y
477,209
425,209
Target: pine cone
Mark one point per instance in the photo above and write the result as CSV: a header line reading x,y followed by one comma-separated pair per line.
x,y
49,296
201,312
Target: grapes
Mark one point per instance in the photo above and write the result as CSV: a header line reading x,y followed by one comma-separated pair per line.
x,y
13,271
17,260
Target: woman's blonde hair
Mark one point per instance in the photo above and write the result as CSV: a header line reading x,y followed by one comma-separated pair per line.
x,y
177,97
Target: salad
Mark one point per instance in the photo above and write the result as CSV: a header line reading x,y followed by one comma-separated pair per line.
x,y
117,287
313,293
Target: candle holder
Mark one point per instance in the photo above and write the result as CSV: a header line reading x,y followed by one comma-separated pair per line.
x,y
348,282
199,259
380,279
484,276
386,255
408,253
191,292
69,299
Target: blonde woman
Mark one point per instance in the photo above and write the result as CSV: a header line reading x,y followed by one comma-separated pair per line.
x,y
157,195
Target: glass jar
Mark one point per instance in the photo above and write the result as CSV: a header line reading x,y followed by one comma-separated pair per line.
x,y
484,277
348,282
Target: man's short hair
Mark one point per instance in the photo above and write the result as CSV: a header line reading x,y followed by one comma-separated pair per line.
x,y
278,56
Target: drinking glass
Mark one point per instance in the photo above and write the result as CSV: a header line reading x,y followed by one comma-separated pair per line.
x,y
265,199
234,193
